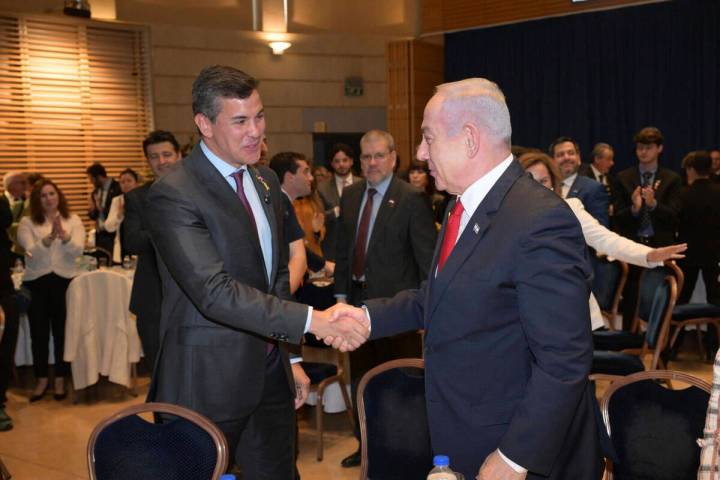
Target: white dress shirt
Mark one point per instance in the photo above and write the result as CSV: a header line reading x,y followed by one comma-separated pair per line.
x,y
112,224
567,183
59,257
341,182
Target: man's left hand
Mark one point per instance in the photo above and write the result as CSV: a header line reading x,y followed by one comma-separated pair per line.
x,y
495,468
302,385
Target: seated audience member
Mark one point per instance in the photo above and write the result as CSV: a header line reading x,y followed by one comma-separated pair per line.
x,y
52,238
16,186
419,177
161,150
293,172
602,161
700,227
129,180
597,236
566,153
8,330
105,189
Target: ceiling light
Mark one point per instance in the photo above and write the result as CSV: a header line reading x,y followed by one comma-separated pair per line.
x,y
278,48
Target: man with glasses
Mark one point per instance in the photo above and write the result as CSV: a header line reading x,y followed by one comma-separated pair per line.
x,y
386,237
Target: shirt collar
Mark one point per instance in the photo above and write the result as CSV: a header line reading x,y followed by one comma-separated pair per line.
x,y
476,193
11,198
652,169
221,165
596,171
570,180
382,186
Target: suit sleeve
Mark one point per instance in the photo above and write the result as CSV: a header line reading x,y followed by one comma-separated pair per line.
x,y
342,249
598,203
423,233
186,247
402,313
136,238
93,213
667,211
552,278
6,218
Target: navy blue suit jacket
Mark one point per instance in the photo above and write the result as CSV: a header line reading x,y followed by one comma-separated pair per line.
x,y
508,345
594,197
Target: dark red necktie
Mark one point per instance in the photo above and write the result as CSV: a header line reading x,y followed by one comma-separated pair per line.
x,y
358,266
238,176
451,233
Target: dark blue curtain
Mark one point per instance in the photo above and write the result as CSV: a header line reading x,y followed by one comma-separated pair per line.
x,y
601,76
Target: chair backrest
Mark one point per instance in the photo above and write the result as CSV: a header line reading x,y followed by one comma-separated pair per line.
x,y
656,300
395,438
184,446
654,429
608,284
677,271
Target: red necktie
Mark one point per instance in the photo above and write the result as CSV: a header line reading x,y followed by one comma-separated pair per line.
x,y
358,265
451,233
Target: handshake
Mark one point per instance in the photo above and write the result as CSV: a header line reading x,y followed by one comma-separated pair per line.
x,y
342,326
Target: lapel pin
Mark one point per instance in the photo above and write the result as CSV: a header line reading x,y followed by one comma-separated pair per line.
x,y
476,228
391,203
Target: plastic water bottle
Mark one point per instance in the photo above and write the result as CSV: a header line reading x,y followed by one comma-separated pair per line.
x,y
127,263
441,470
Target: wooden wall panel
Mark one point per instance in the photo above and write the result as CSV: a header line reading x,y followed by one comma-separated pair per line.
x,y
449,15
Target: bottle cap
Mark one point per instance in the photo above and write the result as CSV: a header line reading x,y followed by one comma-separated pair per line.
x,y
441,460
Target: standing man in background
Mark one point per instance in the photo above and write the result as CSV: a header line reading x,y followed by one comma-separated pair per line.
x,y
161,150
99,206
16,188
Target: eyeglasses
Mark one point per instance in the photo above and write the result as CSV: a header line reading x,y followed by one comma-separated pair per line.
x,y
377,156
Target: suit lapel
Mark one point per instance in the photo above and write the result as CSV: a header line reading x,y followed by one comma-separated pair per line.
x,y
263,191
387,207
354,200
474,232
224,196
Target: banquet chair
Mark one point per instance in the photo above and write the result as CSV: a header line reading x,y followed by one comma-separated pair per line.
x,y
608,284
98,253
394,432
622,352
653,428
696,314
322,374
183,445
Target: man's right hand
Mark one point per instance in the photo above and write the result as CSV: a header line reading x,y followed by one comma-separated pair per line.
x,y
637,200
346,329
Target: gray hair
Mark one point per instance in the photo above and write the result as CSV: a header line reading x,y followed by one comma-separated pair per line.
x,y
478,101
599,148
10,177
379,135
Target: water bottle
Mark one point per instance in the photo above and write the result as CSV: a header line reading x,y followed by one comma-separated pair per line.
x,y
441,470
92,264
127,263
227,476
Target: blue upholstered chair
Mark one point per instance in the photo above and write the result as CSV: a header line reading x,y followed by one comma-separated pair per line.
x,y
621,352
394,433
183,446
654,429
608,284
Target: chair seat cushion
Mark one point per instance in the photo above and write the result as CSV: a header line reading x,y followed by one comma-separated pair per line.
x,y
317,372
695,310
616,340
615,363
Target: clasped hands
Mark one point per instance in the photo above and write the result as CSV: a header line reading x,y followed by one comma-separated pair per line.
x,y
342,326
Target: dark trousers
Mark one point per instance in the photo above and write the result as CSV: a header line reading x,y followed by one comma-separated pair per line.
x,y
149,331
263,444
7,344
46,314
710,274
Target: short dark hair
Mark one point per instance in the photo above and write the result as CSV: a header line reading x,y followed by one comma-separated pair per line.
x,y
131,172
160,136
649,135
219,81
558,141
96,170
699,161
341,147
285,162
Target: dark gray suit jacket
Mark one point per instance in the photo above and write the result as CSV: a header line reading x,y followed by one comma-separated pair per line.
x,y
401,243
330,198
218,310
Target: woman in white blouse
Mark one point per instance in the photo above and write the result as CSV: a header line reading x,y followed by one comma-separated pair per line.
x,y
52,239
129,179
604,241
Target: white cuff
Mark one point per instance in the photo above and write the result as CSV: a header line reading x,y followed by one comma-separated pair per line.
x,y
295,360
512,464
308,321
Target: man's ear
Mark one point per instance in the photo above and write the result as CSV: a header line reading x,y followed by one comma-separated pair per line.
x,y
203,124
660,149
472,139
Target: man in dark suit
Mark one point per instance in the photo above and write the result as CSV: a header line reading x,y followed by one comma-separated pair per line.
x,y
162,150
105,189
602,161
8,329
699,227
566,153
647,206
330,191
386,236
15,195
507,343
215,221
